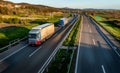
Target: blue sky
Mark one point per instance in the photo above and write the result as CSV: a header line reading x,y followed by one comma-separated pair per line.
x,y
100,4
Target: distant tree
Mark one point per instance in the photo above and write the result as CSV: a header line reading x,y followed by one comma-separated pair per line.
x,y
1,0
1,19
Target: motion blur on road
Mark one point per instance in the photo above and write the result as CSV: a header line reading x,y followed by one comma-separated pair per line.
x,y
46,36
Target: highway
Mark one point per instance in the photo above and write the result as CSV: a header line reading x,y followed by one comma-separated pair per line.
x,y
95,55
30,59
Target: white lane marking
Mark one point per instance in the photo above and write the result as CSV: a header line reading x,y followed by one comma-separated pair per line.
x,y
78,51
90,30
117,52
93,41
103,69
34,52
113,47
13,53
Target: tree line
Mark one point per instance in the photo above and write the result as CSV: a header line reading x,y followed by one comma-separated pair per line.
x,y
26,9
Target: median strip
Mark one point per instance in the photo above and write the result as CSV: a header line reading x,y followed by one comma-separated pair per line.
x,y
78,49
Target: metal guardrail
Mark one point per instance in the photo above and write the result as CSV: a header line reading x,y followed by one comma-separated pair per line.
x,y
71,59
56,50
11,43
14,41
99,30
113,46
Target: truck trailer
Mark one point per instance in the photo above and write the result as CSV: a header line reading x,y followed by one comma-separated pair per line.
x,y
40,33
63,22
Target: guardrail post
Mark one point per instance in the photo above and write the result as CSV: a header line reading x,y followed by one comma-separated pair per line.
x,y
9,45
18,41
67,49
54,58
47,69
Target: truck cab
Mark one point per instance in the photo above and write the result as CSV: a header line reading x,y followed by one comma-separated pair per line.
x,y
62,22
34,37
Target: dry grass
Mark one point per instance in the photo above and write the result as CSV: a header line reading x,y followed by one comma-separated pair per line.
x,y
2,25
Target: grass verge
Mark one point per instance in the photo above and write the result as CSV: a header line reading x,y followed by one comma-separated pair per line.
x,y
10,33
114,30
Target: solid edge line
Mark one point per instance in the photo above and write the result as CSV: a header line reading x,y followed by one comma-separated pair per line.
x,y
117,52
93,41
105,38
34,52
76,68
103,69
90,30
13,53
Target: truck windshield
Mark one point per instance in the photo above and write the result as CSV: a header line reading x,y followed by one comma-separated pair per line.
x,y
33,36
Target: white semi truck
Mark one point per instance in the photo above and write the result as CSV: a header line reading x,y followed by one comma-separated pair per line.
x,y
40,33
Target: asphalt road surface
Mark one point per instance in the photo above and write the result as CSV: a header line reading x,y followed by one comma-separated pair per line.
x,y
30,59
94,54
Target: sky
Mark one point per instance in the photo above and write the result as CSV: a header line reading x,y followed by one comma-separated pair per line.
x,y
80,4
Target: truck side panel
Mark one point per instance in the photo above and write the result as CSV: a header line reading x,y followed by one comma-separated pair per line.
x,y
47,32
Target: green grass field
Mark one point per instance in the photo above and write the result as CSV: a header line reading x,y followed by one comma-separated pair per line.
x,y
8,34
111,28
